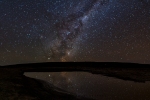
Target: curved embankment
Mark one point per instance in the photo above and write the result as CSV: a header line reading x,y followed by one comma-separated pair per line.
x,y
14,85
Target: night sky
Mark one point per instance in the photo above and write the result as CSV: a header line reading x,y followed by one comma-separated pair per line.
x,y
74,30
78,30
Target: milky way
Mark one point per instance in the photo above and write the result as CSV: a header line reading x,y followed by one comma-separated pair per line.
x,y
74,30
71,27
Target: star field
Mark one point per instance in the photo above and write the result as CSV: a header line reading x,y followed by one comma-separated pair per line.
x,y
74,30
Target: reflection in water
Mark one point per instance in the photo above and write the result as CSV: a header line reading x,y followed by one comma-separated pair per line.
x,y
95,86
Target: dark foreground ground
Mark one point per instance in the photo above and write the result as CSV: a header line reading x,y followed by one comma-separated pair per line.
x,y
15,86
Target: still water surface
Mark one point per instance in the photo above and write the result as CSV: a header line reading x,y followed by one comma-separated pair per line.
x,y
95,86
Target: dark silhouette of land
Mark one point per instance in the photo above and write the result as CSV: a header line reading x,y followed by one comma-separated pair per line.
x,y
14,85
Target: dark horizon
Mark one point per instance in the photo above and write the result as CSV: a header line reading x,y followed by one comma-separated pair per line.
x,y
83,63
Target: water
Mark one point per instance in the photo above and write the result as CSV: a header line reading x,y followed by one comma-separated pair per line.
x,y
95,86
